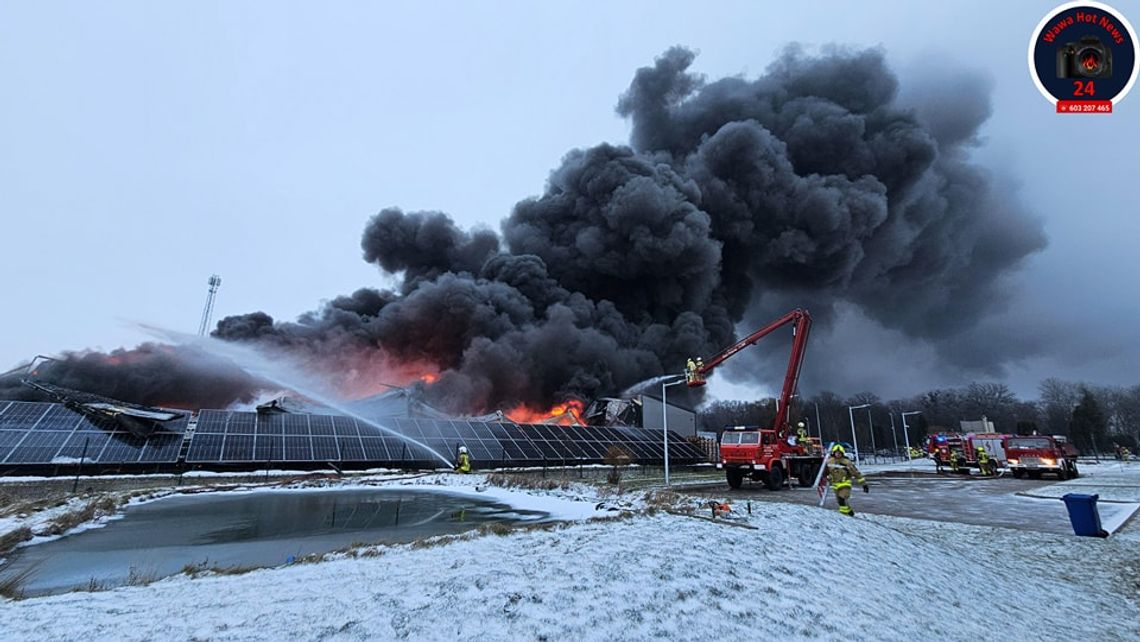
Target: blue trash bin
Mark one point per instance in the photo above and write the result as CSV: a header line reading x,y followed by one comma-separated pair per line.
x,y
1084,515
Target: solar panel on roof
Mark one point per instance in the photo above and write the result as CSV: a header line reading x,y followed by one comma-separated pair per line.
x,y
325,449
298,449
351,449
37,447
85,444
122,448
237,447
161,447
32,432
212,422
242,423
375,449
205,447
268,447
23,415
321,425
270,425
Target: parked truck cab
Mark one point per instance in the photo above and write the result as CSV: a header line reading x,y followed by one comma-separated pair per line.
x,y
762,456
1036,454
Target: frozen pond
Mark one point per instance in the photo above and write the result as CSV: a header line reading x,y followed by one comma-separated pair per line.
x,y
226,530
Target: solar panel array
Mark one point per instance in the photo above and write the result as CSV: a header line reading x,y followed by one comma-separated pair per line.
x,y
233,437
51,433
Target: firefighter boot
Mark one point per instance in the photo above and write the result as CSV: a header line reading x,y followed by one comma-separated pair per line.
x,y
841,496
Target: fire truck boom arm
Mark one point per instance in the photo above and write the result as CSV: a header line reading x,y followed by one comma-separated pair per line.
x,y
802,320
720,357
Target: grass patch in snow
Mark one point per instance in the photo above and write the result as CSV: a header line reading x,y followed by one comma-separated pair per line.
x,y
12,587
233,570
202,568
656,500
106,505
139,576
505,480
9,540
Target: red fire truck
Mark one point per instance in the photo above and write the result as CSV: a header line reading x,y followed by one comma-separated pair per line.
x,y
1033,455
772,455
943,446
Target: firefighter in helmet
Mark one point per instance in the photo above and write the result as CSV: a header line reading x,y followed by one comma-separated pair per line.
x,y
983,461
802,437
463,460
841,473
955,454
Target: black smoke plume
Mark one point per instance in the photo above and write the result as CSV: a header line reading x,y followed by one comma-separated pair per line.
x,y
151,374
736,199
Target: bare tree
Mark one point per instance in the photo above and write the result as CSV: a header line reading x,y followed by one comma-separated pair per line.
x,y
1057,401
994,401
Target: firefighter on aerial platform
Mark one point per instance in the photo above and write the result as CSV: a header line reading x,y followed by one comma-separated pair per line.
x,y
693,370
983,461
803,439
842,473
463,460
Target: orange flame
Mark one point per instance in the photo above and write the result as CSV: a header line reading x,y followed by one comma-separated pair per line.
x,y
565,414
429,378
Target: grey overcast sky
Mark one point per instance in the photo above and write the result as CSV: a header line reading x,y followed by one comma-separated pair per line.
x,y
144,146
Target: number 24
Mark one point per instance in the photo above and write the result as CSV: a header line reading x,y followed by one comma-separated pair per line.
x,y
1084,88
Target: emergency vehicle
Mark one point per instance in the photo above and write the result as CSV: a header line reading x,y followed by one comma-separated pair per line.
x,y
769,455
1033,455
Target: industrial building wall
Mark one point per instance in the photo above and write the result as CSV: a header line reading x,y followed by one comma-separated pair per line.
x,y
681,421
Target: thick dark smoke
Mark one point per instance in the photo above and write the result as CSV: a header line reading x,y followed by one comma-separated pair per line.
x,y
151,374
737,199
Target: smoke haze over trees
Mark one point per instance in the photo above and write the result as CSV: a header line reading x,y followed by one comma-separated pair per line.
x,y
735,200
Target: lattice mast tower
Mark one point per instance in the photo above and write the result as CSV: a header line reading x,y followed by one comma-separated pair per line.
x,y
215,282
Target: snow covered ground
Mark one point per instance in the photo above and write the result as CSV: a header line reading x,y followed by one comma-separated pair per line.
x,y
801,572
1113,481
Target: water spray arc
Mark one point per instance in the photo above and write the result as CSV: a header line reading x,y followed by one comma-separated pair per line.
x,y
283,374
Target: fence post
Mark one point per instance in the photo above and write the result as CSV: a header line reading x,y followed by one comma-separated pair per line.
x,y
75,486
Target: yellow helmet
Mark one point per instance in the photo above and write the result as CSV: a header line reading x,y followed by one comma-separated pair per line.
x,y
837,450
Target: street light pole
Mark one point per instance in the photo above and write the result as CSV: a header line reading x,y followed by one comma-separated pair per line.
x,y
855,439
894,436
906,430
818,425
871,427
665,421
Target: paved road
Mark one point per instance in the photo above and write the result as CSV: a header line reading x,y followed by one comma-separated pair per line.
x,y
970,500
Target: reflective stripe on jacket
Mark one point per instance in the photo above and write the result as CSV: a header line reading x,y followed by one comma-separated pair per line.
x,y
841,472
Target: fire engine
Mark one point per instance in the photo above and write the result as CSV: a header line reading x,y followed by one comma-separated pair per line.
x,y
1035,454
941,446
771,455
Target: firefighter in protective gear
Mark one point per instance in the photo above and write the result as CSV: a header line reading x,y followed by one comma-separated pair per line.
x,y
841,473
802,438
984,466
955,454
691,368
463,460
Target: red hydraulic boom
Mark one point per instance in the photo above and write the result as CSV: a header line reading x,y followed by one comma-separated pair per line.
x,y
697,371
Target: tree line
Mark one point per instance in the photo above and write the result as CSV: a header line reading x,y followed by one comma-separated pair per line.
x,y
1092,417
